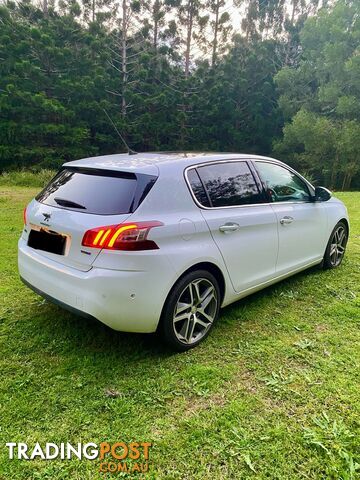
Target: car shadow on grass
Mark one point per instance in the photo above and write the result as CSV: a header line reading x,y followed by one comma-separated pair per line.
x,y
66,331
268,292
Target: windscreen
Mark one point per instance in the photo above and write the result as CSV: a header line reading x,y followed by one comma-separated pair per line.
x,y
98,192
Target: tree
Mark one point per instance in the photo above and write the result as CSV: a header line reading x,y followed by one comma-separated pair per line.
x,y
323,91
170,77
220,25
236,106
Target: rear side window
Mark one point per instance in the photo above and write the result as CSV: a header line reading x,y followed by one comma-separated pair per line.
x,y
98,192
198,188
230,184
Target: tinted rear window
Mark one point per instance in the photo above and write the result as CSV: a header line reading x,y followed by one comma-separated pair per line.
x,y
97,191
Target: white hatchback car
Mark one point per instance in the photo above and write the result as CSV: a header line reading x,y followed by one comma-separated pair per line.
x,y
160,241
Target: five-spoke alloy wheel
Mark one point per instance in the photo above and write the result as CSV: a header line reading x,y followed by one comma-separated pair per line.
x,y
190,310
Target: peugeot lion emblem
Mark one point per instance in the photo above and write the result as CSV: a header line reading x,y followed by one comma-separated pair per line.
x,y
47,217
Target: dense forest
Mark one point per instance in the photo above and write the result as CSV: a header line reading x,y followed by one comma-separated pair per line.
x,y
283,79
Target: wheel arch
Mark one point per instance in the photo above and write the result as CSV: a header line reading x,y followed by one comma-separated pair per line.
x,y
210,267
204,265
346,221
214,270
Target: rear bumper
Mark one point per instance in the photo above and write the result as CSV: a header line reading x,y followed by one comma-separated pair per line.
x,y
61,304
120,299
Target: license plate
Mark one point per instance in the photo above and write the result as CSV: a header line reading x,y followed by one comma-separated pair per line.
x,y
48,241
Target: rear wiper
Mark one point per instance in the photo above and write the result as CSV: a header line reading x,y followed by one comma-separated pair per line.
x,y
68,203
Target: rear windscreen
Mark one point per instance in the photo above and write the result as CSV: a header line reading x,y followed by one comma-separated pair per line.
x,y
97,191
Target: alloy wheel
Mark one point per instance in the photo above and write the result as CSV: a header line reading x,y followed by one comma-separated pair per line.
x,y
337,246
195,311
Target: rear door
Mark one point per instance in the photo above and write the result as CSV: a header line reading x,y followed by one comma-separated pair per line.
x,y
242,225
302,223
77,200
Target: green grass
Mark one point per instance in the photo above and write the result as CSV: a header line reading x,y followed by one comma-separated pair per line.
x,y
27,178
273,393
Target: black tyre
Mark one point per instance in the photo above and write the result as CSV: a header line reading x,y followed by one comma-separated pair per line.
x,y
336,246
191,309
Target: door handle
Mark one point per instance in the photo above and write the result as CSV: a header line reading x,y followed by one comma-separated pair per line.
x,y
286,220
229,227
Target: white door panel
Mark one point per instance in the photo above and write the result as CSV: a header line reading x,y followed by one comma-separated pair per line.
x,y
247,238
302,234
302,223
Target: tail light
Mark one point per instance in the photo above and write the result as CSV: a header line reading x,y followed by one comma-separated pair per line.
x,y
24,216
126,236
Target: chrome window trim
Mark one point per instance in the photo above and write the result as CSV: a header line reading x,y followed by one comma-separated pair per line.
x,y
249,159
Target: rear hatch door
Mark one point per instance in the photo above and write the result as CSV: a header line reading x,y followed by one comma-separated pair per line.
x,y
77,200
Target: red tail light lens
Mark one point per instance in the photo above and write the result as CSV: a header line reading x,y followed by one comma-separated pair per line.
x,y
24,216
126,236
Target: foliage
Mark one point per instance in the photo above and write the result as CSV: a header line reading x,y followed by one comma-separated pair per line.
x,y
320,98
172,76
336,441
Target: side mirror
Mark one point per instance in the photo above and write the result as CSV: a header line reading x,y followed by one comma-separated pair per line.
x,y
322,194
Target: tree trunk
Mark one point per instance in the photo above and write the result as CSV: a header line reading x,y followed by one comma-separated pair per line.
x,y
156,24
156,36
348,181
348,176
190,19
215,40
124,58
345,181
294,5
45,8
334,173
93,10
292,20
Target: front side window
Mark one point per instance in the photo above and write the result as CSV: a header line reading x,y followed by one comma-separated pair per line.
x,y
229,184
282,185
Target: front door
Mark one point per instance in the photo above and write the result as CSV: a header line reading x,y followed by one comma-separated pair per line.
x,y
302,223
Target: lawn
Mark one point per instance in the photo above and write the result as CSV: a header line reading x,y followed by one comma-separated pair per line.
x,y
273,393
